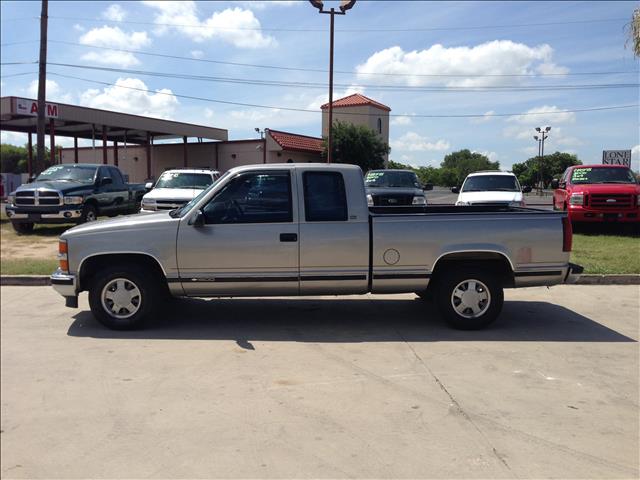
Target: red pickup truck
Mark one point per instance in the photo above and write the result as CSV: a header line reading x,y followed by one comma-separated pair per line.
x,y
598,193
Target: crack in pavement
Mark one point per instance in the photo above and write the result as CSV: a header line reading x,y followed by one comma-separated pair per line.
x,y
457,405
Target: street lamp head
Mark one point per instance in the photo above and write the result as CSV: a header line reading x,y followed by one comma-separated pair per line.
x,y
346,5
538,129
317,3
546,129
257,129
535,137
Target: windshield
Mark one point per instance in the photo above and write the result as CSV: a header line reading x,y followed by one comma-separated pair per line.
x,y
70,173
184,180
581,176
389,179
491,183
180,212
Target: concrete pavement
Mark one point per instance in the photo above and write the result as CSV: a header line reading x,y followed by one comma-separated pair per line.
x,y
366,386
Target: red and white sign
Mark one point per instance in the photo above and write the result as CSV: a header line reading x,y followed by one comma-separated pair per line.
x,y
24,106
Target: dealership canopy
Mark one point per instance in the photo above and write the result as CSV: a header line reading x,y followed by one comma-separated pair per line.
x,y
20,114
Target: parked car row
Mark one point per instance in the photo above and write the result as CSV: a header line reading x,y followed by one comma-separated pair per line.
x,y
79,193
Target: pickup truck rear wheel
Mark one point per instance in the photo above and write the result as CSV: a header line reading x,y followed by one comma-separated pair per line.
x,y
469,298
123,297
89,214
22,228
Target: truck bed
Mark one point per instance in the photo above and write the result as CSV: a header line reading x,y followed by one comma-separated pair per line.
x,y
451,209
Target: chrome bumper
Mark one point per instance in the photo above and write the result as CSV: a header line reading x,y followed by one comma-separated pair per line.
x,y
573,273
61,215
64,283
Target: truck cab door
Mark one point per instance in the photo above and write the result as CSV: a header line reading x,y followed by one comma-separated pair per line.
x,y
247,242
334,235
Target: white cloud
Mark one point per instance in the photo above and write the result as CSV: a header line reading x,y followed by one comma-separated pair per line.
x,y
545,115
236,26
261,5
493,156
79,28
487,117
491,58
413,142
115,13
400,120
116,38
208,113
13,138
323,98
136,99
54,92
196,53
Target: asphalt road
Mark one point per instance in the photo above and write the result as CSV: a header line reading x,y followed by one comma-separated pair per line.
x,y
368,386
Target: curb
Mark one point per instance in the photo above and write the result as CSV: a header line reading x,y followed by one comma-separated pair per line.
x,y
25,280
588,279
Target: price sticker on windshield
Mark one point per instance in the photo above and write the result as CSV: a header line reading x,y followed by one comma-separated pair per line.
x,y
374,175
580,174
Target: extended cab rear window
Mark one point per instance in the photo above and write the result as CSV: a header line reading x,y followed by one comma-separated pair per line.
x,y
325,199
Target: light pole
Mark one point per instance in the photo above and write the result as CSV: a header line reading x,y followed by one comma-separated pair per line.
x,y
541,137
344,6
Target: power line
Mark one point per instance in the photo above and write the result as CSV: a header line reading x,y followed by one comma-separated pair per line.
x,y
17,74
292,109
352,30
317,70
393,88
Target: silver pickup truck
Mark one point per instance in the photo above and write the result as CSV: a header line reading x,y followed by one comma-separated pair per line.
x,y
306,229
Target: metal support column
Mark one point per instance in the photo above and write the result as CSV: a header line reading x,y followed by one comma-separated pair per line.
x,y
30,157
52,137
184,152
75,149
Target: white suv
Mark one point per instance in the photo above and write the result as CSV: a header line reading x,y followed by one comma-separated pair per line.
x,y
176,187
491,188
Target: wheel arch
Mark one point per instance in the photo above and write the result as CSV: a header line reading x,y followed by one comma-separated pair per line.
x,y
92,263
495,261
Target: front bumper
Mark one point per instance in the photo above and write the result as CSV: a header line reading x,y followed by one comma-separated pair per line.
x,y
582,214
65,285
17,214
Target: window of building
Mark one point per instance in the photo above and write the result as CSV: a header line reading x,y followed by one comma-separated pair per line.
x,y
379,125
325,199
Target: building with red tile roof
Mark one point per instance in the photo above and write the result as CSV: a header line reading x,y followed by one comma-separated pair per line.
x,y
296,143
357,99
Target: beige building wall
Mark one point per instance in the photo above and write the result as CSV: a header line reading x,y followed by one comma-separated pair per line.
x,y
367,115
238,153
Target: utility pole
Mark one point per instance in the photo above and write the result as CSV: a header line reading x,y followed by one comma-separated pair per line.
x,y
42,87
541,137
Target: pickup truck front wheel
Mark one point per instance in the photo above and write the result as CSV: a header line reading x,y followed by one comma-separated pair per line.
x,y
89,214
122,297
470,299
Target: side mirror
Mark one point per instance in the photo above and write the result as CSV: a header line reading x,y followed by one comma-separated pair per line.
x,y
148,185
555,183
455,189
526,189
198,219
106,181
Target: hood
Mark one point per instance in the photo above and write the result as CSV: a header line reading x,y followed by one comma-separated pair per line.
x,y
612,188
490,197
394,191
183,194
60,186
128,224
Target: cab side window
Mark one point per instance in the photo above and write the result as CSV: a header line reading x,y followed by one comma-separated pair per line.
x,y
116,176
325,199
252,197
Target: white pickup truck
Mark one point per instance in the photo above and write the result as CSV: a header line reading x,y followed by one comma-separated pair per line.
x,y
307,230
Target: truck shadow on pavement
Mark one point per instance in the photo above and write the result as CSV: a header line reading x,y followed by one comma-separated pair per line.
x,y
348,321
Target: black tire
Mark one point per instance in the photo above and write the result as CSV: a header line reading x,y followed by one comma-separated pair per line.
x,y
150,295
487,286
89,213
22,228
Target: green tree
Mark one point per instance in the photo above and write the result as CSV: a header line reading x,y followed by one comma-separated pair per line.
x,y
357,145
430,175
633,32
13,159
553,166
463,162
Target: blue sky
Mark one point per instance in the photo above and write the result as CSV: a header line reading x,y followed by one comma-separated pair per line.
x,y
407,45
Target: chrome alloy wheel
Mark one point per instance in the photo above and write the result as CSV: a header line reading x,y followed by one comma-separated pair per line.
x,y
121,298
470,298
91,216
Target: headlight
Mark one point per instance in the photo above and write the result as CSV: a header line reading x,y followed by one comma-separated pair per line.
x,y
73,200
149,204
576,199
11,199
460,203
419,200
369,200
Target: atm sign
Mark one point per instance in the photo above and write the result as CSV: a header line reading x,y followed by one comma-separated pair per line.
x,y
25,106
